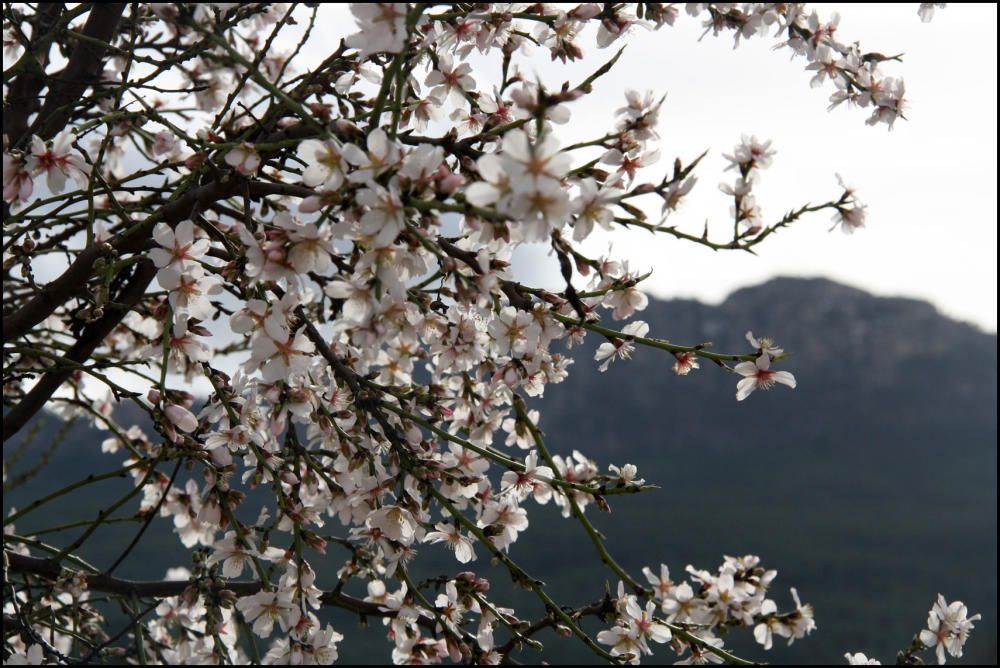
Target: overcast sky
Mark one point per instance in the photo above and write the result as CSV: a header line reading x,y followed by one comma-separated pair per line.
x,y
930,184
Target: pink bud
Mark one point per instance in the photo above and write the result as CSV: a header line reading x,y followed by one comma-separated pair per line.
x,y
451,183
221,457
311,204
181,417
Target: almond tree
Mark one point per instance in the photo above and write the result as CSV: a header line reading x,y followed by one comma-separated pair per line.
x,y
350,227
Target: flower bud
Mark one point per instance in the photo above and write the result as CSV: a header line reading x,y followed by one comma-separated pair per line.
x,y
181,417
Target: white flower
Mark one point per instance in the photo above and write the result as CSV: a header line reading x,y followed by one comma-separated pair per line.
x,y
325,163
537,166
751,154
34,656
593,205
506,517
17,182
383,27
189,293
533,480
948,628
382,154
181,417
451,79
278,359
244,159
57,162
617,348
860,659
758,374
685,362
179,252
623,641
451,535
763,345
266,607
395,523
234,556
385,217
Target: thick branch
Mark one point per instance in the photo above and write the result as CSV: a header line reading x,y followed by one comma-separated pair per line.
x,y
83,69
91,338
48,568
22,97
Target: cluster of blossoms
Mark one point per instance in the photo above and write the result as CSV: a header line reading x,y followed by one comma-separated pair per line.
x,y
58,161
387,353
948,627
734,596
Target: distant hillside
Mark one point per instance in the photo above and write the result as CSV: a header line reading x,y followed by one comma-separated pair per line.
x,y
871,487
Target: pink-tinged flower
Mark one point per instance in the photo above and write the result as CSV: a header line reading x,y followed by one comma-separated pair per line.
x,y
189,293
534,166
685,362
181,417
619,348
533,480
451,79
759,375
594,205
643,624
625,301
382,27
165,143
280,358
244,159
17,182
623,642
506,518
57,162
752,155
948,627
179,252
763,345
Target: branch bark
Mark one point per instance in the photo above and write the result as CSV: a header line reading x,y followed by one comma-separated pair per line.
x,y
83,70
47,568
23,96
81,351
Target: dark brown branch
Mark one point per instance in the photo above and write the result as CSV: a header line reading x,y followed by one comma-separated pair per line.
x,y
48,568
22,97
81,351
83,70
54,294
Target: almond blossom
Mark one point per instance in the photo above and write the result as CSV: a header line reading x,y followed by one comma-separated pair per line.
x,y
758,374
453,538
58,161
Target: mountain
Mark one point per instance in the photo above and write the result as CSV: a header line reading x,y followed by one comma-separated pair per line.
x,y
871,487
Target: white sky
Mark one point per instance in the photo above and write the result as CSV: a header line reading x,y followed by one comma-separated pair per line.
x,y
930,183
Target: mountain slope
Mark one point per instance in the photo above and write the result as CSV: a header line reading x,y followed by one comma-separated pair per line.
x,y
871,487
